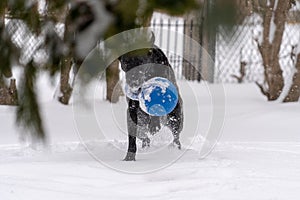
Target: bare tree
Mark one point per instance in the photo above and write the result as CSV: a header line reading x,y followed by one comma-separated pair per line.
x,y
274,17
275,14
8,92
294,91
241,78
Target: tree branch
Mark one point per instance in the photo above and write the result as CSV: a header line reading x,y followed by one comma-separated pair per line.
x,y
263,91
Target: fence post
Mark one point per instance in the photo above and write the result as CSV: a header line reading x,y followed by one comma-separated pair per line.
x,y
191,68
208,42
184,62
176,56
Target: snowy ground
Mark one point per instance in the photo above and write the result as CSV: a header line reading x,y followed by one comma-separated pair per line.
x,y
258,156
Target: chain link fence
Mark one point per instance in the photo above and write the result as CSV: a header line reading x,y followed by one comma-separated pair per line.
x,y
31,45
239,51
234,54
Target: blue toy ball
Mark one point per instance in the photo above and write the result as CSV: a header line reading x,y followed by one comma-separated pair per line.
x,y
158,96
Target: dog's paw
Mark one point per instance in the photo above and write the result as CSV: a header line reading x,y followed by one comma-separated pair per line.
x,y
175,144
129,157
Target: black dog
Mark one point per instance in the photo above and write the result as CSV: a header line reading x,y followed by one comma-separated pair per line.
x,y
149,63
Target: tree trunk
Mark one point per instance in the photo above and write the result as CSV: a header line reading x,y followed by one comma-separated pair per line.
x,y
113,89
8,95
65,87
294,92
270,47
240,79
66,62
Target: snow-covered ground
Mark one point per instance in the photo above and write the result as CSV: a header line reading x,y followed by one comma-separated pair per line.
x,y
258,156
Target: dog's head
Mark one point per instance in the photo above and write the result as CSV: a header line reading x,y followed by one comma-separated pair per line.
x,y
139,56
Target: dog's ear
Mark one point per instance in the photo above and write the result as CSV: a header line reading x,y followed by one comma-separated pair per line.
x,y
123,64
120,59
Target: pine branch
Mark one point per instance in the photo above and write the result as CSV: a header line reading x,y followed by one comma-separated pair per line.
x,y
28,112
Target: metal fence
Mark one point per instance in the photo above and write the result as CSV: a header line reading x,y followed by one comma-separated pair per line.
x,y
232,52
164,29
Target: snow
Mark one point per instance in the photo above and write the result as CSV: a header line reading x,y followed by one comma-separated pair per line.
x,y
256,158
272,24
87,38
272,30
297,46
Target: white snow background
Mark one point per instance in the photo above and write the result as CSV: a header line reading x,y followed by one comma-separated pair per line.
x,y
257,158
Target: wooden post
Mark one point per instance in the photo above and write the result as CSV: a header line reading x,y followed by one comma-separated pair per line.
x,y
208,43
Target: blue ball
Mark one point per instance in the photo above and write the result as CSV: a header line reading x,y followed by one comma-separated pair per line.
x,y
158,96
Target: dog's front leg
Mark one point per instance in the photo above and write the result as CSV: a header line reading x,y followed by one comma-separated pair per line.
x,y
130,156
132,130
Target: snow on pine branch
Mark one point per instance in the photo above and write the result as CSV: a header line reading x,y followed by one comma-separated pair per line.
x,y
88,37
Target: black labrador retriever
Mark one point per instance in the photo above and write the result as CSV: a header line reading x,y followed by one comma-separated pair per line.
x,y
140,65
